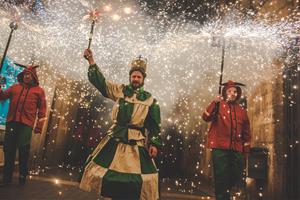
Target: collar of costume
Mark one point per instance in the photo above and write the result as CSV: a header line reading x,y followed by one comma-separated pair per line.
x,y
141,94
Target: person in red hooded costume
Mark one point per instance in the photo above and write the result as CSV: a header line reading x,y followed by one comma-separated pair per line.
x,y
27,112
229,138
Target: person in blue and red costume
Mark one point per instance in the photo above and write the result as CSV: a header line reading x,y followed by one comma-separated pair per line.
x,y
27,113
229,138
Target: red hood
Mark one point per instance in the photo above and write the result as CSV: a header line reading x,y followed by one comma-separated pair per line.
x,y
31,70
230,84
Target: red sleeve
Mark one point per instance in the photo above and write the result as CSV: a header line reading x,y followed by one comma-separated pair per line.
x,y
41,110
5,94
206,116
246,133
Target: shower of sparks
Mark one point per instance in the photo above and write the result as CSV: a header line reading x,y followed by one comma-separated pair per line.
x,y
184,59
92,15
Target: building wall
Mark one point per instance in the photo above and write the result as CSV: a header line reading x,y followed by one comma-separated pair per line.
x,y
60,122
266,117
272,9
274,114
291,115
46,80
275,134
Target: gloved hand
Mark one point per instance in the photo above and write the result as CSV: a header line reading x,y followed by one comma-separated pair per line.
x,y
2,81
152,151
246,149
37,130
39,125
88,55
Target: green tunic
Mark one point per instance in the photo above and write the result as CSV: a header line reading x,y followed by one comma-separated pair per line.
x,y
120,166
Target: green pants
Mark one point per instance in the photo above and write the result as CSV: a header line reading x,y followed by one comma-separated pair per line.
x,y
228,170
17,136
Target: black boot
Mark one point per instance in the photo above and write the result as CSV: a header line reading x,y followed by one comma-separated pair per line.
x,y
22,180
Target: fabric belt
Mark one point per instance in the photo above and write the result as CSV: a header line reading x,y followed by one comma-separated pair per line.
x,y
142,129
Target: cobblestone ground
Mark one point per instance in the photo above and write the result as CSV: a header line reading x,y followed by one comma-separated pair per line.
x,y
52,188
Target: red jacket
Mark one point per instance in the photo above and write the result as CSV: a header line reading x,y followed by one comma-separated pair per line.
x,y
26,101
231,129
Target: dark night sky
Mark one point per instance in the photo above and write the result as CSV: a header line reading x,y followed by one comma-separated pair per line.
x,y
194,10
198,10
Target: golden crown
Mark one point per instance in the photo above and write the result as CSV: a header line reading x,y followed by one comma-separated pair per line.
x,y
139,62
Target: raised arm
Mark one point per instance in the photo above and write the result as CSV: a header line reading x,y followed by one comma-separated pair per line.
x,y
210,111
96,77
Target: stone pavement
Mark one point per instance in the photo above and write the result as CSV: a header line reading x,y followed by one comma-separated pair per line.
x,y
52,188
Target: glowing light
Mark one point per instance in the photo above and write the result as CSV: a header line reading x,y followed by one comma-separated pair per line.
x,y
116,17
127,10
107,8
177,60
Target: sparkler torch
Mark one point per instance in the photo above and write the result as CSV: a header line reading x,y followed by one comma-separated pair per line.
x,y
91,34
93,15
222,66
13,26
216,108
217,105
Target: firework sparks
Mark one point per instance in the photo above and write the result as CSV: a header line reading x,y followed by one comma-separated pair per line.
x,y
183,62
